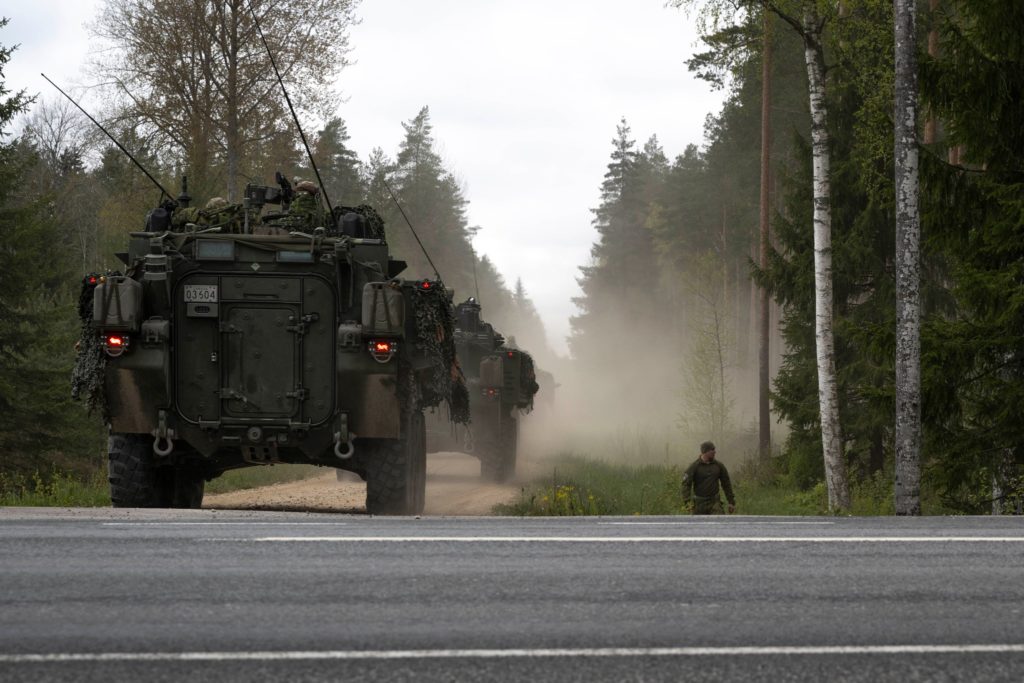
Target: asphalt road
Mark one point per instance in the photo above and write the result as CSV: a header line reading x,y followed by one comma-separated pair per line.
x,y
219,595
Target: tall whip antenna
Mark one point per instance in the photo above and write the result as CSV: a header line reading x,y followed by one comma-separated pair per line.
x,y
476,284
409,223
295,118
112,138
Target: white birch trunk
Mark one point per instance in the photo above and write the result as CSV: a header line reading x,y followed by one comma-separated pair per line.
x,y
908,237
828,399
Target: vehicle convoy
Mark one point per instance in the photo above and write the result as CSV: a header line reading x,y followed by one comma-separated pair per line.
x,y
502,382
240,335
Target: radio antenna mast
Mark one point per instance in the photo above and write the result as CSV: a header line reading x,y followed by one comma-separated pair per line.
x,y
295,117
112,138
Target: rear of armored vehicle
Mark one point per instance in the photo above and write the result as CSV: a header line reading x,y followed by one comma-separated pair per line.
x,y
501,383
507,386
227,351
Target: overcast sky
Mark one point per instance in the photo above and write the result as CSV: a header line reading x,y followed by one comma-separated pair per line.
x,y
524,97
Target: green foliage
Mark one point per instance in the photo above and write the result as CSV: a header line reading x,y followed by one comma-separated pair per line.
x,y
972,215
38,321
254,477
339,166
58,489
581,486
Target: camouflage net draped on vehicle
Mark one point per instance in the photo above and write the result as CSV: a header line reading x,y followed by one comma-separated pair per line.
x,y
527,381
374,222
90,363
435,336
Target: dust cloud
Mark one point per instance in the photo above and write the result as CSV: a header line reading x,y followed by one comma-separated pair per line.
x,y
648,389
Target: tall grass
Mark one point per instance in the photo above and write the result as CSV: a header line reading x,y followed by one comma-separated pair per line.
x,y
583,486
91,489
58,489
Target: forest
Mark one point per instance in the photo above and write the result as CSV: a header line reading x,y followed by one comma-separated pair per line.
x,y
697,218
699,259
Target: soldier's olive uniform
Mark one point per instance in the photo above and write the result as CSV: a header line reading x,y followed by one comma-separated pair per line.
x,y
700,483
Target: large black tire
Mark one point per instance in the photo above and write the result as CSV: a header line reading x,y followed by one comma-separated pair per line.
x,y
137,482
396,470
498,462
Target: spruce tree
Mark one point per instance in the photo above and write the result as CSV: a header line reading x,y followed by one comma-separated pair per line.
x,y
38,321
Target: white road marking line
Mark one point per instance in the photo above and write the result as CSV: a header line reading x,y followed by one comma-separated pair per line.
x,y
508,654
733,522
634,539
240,523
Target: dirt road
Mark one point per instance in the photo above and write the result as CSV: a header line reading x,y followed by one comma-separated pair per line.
x,y
453,488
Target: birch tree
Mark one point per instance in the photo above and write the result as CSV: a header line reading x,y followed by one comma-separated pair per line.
x,y
908,234
811,27
809,19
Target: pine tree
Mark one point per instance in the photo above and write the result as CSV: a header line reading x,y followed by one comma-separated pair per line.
x,y
339,166
38,321
436,206
973,365
622,302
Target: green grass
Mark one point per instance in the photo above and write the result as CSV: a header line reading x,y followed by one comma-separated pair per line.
x,y
583,486
59,489
262,475
62,489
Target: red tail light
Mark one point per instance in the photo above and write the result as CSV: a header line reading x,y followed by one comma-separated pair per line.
x,y
115,344
383,350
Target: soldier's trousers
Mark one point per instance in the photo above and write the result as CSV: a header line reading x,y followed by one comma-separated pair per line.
x,y
707,506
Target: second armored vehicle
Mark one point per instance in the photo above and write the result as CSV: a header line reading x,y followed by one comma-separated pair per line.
x,y
502,383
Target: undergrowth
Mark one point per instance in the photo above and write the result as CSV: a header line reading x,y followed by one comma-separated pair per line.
x,y
582,486
90,489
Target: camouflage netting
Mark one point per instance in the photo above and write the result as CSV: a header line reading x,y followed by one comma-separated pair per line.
x,y
230,218
435,338
87,377
527,381
374,222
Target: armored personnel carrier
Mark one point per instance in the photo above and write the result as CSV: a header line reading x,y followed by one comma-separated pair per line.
x,y
502,383
270,331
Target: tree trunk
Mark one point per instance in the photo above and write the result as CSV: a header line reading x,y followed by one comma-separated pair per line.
x,y
908,237
764,412
828,399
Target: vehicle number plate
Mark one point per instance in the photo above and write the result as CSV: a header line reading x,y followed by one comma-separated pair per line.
x,y
206,294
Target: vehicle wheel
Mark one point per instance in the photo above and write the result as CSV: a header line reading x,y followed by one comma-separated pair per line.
x,y
396,471
135,481
498,464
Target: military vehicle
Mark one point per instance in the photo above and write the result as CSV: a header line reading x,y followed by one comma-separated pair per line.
x,y
242,336
501,382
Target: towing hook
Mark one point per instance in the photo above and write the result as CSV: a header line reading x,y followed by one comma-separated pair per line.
x,y
349,447
165,450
